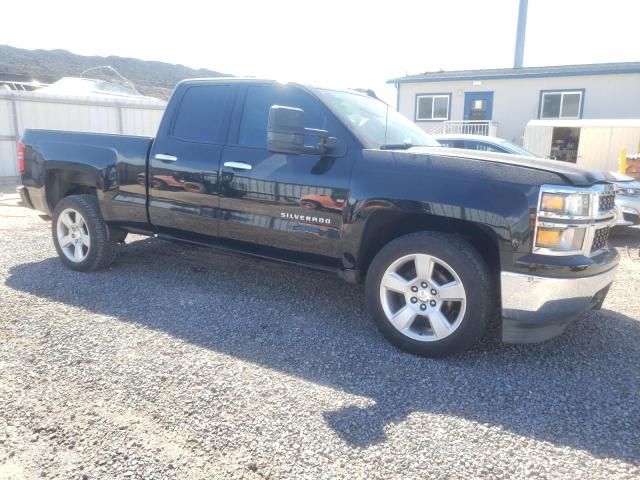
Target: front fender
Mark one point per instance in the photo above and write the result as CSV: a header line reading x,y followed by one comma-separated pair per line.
x,y
417,191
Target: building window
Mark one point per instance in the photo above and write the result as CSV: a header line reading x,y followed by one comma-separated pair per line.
x,y
432,107
561,104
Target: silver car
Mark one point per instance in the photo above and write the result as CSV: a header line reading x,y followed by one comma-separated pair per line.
x,y
482,143
627,188
627,200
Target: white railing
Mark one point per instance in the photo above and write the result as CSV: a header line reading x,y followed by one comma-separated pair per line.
x,y
488,128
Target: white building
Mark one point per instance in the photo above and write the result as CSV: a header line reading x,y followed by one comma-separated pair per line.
x,y
502,101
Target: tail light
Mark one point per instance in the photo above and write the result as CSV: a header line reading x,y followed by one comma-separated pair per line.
x,y
21,167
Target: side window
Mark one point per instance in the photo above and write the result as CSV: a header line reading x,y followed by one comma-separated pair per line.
x,y
484,147
202,113
259,99
481,146
495,148
450,143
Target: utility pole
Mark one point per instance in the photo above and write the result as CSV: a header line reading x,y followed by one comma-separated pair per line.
x,y
520,34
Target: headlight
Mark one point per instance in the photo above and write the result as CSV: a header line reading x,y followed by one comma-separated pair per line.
x,y
566,204
560,238
627,191
568,218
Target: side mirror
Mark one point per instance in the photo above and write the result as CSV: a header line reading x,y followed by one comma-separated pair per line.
x,y
285,129
286,133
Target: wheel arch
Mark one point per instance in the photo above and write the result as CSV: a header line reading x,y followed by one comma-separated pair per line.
x,y
387,225
75,168
62,182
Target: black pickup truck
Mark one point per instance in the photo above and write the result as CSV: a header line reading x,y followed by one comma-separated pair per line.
x,y
444,240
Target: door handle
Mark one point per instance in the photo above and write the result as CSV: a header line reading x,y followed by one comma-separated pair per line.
x,y
238,165
163,157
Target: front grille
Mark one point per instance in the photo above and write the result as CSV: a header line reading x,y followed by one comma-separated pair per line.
x,y
600,239
606,202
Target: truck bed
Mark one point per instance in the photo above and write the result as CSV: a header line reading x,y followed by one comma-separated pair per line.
x,y
114,165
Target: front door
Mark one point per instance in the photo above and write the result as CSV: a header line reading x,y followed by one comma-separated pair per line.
x,y
478,106
185,162
294,203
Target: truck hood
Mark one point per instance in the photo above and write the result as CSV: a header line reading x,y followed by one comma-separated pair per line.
x,y
571,173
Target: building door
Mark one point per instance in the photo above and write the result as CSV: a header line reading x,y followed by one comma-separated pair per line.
x,y
478,105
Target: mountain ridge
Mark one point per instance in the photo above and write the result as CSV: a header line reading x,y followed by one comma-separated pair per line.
x,y
151,77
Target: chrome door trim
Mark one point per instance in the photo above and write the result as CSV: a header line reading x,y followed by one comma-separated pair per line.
x,y
238,165
163,157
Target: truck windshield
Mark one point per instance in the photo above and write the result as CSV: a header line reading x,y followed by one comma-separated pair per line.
x,y
374,122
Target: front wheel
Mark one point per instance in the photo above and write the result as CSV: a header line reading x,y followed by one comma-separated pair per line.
x,y
430,294
80,235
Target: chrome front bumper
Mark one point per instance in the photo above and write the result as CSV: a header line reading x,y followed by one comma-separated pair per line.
x,y
538,308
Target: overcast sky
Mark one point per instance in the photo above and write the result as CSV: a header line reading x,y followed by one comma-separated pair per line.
x,y
337,43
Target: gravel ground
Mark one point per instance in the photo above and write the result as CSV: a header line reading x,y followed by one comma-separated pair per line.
x,y
180,363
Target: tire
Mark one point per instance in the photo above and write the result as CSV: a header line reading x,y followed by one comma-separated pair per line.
x,y
450,283
78,224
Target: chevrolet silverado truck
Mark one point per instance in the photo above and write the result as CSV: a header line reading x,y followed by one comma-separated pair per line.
x,y
445,241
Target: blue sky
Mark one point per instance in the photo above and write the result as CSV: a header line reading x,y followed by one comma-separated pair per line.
x,y
336,43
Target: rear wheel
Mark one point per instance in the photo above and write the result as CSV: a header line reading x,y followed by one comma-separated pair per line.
x,y
430,294
80,235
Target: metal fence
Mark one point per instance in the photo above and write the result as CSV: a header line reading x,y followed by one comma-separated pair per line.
x,y
21,110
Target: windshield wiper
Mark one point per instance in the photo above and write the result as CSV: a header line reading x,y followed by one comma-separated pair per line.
x,y
396,146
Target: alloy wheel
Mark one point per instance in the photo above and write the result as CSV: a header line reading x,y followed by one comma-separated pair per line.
x,y
423,297
73,235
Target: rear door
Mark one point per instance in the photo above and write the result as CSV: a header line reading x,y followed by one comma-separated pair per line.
x,y
291,202
185,160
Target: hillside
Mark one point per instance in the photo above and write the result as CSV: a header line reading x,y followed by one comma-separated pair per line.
x,y
151,78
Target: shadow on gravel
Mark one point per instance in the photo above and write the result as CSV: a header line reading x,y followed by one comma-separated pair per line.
x,y
580,390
